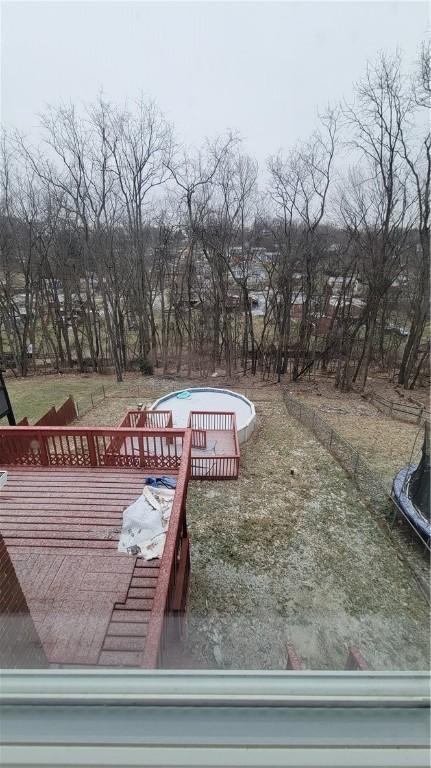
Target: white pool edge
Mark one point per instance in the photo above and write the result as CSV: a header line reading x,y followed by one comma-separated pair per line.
x,y
246,429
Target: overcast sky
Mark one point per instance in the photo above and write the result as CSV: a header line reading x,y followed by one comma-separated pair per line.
x,y
262,68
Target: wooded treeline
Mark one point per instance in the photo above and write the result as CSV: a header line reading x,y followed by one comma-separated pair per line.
x,y
119,247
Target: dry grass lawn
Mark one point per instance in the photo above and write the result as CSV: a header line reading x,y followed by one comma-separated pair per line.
x,y
387,444
279,557
35,395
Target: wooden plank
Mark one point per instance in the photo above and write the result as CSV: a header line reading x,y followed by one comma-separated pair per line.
x,y
138,604
146,581
49,519
50,514
131,617
124,643
20,506
127,628
141,563
39,475
94,492
59,543
34,528
120,659
46,549
63,535
141,592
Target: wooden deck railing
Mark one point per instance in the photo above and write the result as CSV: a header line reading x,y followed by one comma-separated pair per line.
x,y
222,466
199,438
147,419
215,467
93,447
165,625
214,420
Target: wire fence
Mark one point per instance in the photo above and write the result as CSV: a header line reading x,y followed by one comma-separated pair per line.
x,y
368,482
414,414
90,400
365,478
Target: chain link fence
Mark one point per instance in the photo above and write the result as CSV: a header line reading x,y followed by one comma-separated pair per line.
x,y
364,477
370,485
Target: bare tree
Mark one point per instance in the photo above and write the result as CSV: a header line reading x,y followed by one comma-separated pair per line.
x,y
378,209
418,160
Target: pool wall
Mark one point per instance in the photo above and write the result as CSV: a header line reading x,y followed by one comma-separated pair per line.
x,y
244,430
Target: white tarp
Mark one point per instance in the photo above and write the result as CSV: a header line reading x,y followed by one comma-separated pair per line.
x,y
145,523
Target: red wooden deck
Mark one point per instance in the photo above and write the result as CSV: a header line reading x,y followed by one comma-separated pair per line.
x,y
215,449
61,515
91,604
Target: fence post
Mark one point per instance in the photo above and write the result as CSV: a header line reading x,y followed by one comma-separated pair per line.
x,y
330,438
78,415
420,415
91,398
103,390
392,408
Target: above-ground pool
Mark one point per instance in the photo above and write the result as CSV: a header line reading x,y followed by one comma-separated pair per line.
x,y
209,399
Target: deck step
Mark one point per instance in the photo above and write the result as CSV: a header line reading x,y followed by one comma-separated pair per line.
x,y
120,659
128,628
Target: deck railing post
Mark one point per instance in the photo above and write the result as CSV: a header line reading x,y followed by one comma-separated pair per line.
x,y
43,451
91,448
141,451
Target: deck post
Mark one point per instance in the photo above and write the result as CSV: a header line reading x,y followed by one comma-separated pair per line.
x,y
91,448
141,451
43,452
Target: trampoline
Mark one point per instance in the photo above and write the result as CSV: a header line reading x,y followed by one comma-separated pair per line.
x,y
411,491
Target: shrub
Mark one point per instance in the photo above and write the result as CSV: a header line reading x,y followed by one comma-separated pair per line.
x,y
145,367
